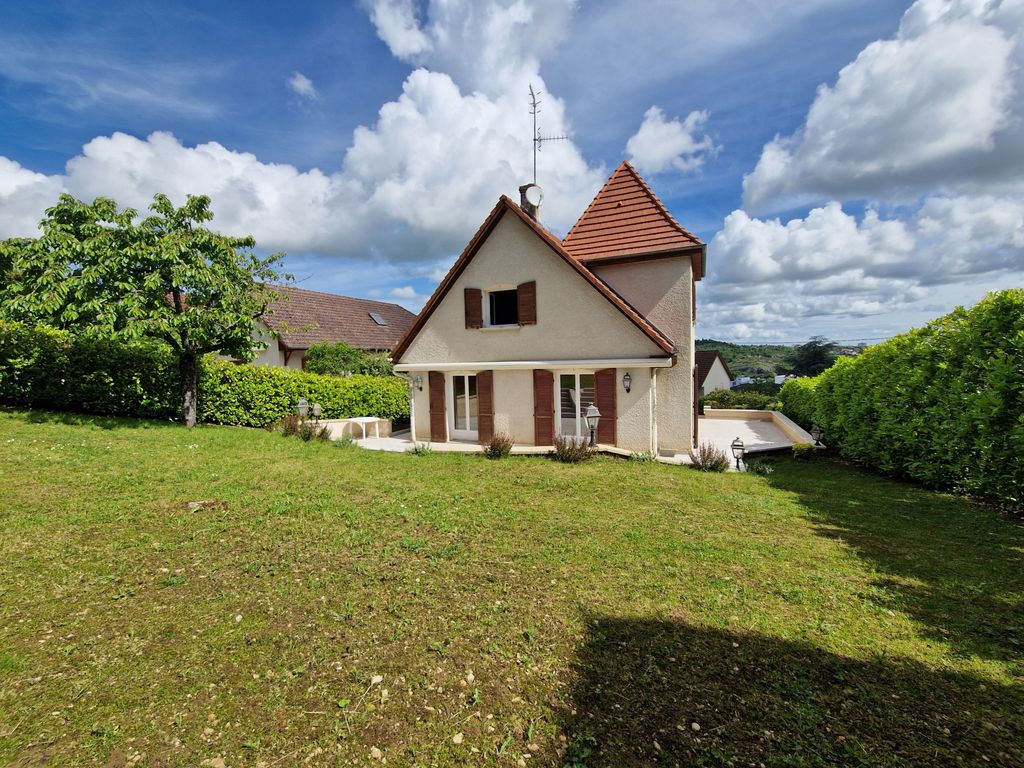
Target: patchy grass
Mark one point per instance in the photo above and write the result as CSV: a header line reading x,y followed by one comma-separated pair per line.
x,y
332,606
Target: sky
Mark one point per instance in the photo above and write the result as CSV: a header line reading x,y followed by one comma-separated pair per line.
x,y
856,167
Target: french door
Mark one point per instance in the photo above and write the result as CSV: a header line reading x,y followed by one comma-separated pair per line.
x,y
463,406
575,394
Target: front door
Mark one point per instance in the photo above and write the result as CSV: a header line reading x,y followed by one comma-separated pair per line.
x,y
465,407
575,394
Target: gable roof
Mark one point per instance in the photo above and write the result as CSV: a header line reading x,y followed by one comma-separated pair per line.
x,y
503,206
305,317
627,219
705,361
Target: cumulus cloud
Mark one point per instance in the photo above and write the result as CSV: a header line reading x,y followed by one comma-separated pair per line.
x,y
412,187
938,106
660,145
302,86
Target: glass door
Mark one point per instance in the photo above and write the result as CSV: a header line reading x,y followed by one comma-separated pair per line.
x,y
575,394
464,407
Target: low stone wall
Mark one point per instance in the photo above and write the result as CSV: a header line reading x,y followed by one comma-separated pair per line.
x,y
339,427
790,428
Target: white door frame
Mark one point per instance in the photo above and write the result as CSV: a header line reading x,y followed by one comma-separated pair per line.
x,y
460,434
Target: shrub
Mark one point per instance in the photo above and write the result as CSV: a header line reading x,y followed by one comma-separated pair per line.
x,y
759,467
803,450
571,450
499,446
420,449
725,398
311,430
45,368
289,425
342,360
708,458
643,457
941,404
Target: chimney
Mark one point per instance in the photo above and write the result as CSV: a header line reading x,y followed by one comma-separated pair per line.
x,y
530,197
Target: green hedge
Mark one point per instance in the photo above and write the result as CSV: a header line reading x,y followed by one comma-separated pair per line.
x,y
943,404
44,368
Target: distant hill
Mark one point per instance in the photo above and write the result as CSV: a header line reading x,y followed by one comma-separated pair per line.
x,y
748,359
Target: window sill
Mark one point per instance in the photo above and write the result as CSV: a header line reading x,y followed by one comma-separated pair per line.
x,y
500,327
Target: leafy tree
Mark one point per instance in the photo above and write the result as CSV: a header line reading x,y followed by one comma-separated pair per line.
x,y
96,268
810,358
340,359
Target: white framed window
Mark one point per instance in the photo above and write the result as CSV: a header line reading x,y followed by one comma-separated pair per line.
x,y
501,306
463,406
575,395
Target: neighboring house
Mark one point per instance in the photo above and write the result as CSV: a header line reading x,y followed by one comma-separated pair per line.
x,y
526,330
302,317
712,371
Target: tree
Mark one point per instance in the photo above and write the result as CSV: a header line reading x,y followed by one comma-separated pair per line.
x,y
810,358
340,359
166,277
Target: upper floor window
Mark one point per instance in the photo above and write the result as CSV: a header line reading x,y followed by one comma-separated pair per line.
x,y
502,307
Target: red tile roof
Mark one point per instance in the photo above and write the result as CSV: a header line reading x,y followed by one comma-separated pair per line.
x,y
626,219
308,317
705,360
506,205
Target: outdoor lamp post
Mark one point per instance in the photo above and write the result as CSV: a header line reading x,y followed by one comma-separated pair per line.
x,y
592,416
627,381
816,434
317,411
737,451
303,408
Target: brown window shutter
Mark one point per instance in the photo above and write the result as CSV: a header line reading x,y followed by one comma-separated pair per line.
x,y
438,423
527,296
543,407
474,308
605,393
696,406
485,405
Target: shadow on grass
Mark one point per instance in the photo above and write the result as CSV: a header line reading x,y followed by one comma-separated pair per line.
x,y
643,684
88,420
955,566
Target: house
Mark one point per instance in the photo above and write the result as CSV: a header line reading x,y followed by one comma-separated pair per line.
x,y
301,318
712,371
526,330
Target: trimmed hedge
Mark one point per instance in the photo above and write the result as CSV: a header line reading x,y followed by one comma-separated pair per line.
x,y
44,368
942,404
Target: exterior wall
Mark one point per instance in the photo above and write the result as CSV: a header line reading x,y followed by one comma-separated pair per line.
x,y
633,427
662,290
716,379
513,404
573,320
270,352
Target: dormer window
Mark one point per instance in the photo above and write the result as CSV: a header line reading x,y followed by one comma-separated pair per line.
x,y
501,307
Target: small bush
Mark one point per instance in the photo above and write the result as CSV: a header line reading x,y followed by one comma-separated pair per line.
x,y
803,450
346,440
420,449
643,457
709,458
759,467
499,446
571,450
289,425
311,430
342,360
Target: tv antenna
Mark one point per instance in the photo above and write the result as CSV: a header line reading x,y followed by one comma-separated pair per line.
x,y
539,140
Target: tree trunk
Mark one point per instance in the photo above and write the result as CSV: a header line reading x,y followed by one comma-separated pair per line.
x,y
189,387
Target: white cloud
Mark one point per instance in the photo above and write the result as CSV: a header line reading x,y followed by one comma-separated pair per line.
x,y
660,144
938,107
413,186
404,292
303,86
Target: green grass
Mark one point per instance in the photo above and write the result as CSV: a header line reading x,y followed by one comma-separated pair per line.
x,y
584,615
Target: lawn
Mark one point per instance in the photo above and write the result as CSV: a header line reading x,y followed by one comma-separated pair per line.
x,y
327,606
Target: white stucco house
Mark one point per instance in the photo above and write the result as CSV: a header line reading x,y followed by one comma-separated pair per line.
x,y
527,330
712,371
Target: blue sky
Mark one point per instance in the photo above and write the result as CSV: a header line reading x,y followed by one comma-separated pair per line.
x,y
815,146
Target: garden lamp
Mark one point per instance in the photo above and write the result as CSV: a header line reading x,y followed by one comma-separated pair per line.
x,y
816,434
592,417
737,451
303,408
627,381
317,411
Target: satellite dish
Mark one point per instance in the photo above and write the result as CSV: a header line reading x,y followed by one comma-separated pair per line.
x,y
534,195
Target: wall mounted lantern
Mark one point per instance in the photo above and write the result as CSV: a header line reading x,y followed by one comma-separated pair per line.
x,y
592,417
303,408
737,451
627,381
417,381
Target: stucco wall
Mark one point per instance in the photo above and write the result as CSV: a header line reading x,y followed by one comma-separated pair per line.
x,y
513,404
573,320
269,351
662,291
716,379
633,427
